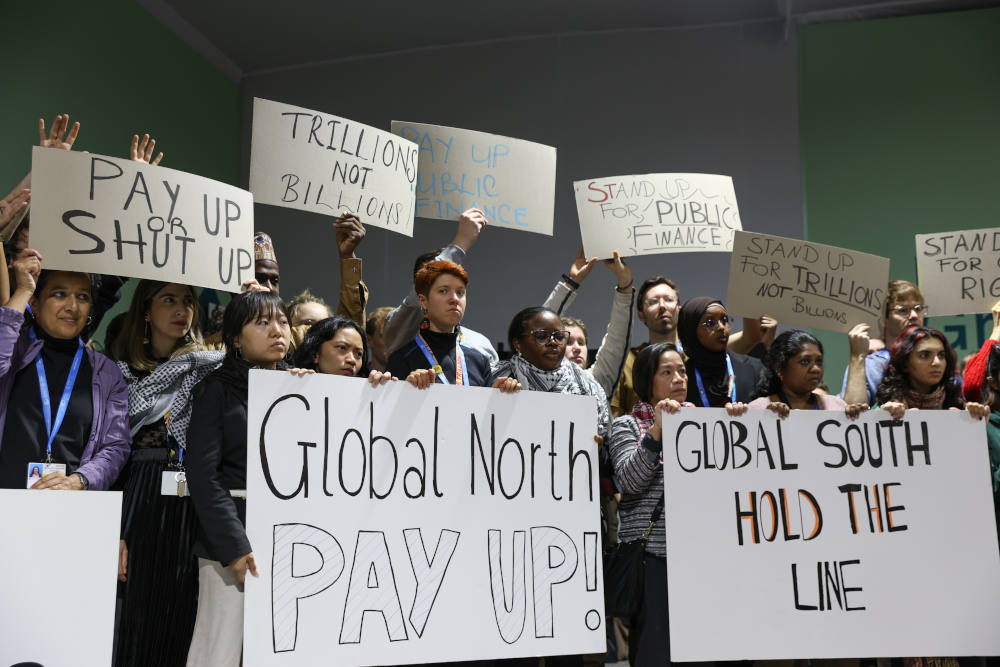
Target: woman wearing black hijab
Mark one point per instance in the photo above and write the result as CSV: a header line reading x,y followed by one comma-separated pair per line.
x,y
715,376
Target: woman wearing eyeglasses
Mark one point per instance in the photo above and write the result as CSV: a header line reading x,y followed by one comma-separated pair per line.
x,y
437,353
539,340
715,376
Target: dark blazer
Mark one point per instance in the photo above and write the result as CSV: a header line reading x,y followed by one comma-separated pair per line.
x,y
216,462
747,370
410,358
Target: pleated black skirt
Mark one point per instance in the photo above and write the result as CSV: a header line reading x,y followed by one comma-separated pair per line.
x,y
160,596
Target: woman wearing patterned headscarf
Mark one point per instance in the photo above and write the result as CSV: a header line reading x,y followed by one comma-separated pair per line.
x,y
715,376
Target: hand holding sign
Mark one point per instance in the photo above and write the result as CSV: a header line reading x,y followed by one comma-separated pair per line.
x,y
350,234
470,225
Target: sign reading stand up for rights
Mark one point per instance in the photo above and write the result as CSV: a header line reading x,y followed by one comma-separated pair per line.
x,y
315,161
512,180
959,272
102,214
809,284
818,537
393,525
652,214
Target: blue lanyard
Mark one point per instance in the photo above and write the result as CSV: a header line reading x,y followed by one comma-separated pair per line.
x,y
436,367
732,384
784,399
51,428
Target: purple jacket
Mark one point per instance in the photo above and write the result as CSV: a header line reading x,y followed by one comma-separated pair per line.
x,y
110,441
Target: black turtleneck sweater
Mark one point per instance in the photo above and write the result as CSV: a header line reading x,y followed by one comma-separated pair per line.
x,y
410,358
24,435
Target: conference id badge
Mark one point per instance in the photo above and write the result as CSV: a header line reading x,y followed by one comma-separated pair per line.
x,y
38,470
174,483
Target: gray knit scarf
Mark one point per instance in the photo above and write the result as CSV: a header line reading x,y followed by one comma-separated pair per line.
x,y
168,389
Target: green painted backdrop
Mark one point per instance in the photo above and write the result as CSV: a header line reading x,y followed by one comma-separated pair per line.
x,y
900,133
114,68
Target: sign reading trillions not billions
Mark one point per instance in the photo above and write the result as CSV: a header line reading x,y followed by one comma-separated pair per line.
x,y
818,537
959,272
102,214
318,162
513,181
809,284
656,213
397,526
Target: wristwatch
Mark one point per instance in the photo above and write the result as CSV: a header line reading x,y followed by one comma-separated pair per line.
x,y
83,480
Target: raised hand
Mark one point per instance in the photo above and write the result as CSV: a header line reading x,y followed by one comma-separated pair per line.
x,y
581,266
142,152
12,205
350,233
57,137
859,337
620,269
470,224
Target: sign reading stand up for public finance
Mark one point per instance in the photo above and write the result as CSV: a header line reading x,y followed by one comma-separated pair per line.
x,y
398,526
102,214
650,214
959,272
512,180
809,284
819,537
315,161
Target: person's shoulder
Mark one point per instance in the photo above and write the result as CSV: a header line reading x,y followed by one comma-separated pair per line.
x,y
104,367
831,402
746,361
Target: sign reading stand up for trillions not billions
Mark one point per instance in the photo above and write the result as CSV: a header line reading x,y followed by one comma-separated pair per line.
x,y
399,526
818,537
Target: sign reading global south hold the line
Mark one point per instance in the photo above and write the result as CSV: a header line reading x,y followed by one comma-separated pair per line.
x,y
315,161
102,214
512,180
809,284
650,214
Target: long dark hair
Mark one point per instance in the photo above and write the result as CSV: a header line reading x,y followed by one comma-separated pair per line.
x,y
786,346
246,308
896,381
644,369
320,333
129,344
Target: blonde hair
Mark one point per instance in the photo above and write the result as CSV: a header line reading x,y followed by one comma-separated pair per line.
x,y
302,299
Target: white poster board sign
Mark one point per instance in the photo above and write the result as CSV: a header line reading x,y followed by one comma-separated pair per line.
x,y
808,284
651,214
817,537
315,161
959,272
59,575
103,214
398,526
512,180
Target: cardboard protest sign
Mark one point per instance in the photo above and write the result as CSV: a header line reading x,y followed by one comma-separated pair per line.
x,y
652,214
959,272
315,161
58,545
399,526
513,181
809,284
818,537
102,214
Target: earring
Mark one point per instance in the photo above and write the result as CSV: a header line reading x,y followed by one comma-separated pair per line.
x,y
145,335
90,320
425,323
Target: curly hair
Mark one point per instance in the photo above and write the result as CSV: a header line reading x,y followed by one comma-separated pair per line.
x,y
896,381
786,346
320,333
303,298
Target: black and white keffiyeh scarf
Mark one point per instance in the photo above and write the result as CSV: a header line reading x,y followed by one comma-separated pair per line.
x,y
168,390
567,378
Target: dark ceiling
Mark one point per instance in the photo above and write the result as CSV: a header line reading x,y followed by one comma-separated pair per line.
x,y
253,36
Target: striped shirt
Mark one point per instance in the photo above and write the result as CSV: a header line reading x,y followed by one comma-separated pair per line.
x,y
638,475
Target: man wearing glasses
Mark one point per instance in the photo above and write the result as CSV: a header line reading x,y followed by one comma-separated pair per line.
x,y
657,304
904,308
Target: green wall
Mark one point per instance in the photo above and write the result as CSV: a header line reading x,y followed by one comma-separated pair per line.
x,y
900,135
118,71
